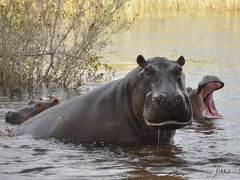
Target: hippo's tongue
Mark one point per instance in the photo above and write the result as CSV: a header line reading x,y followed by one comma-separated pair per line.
x,y
169,125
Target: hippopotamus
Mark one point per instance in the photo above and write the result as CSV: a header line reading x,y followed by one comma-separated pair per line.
x,y
202,98
34,107
148,104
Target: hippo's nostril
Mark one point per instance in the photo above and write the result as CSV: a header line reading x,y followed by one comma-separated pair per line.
x,y
178,99
161,98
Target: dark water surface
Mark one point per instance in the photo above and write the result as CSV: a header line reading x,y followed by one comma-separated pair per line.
x,y
207,149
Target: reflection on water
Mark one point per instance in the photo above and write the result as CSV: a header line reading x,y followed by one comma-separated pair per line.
x,y
205,150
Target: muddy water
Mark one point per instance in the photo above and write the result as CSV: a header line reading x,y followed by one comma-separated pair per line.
x,y
205,150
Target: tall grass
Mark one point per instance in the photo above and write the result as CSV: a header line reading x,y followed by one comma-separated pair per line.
x,y
167,7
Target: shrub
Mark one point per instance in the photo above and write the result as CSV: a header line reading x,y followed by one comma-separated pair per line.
x,y
54,42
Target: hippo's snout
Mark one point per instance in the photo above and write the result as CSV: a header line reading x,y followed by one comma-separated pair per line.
x,y
167,110
10,115
13,117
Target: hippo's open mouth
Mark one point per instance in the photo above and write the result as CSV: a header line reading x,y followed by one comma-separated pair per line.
x,y
169,124
206,93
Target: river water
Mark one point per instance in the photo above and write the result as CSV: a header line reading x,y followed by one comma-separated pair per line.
x,y
208,149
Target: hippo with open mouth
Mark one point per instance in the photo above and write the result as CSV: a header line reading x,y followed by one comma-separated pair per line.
x,y
149,104
202,98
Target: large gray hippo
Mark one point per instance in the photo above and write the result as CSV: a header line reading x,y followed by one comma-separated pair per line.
x,y
150,98
202,98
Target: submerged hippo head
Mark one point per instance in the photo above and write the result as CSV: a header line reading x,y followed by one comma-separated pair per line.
x,y
34,108
160,89
202,98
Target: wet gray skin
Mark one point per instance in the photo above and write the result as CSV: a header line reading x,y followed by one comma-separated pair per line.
x,y
202,98
33,108
147,105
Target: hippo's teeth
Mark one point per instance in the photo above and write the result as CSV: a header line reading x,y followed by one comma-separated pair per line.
x,y
169,124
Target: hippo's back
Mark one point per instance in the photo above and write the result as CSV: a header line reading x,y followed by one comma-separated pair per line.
x,y
84,118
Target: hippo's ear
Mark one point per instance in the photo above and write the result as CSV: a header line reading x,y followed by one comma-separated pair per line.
x,y
181,61
55,102
141,61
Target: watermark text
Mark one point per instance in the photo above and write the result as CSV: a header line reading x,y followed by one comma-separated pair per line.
x,y
215,171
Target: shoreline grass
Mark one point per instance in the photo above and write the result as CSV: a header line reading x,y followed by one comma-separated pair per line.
x,y
156,8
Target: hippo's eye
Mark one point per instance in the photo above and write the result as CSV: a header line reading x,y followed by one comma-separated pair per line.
x,y
146,72
39,105
179,71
